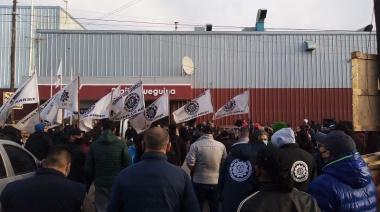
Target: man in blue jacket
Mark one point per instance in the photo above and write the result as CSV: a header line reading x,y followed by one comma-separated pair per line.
x,y
153,184
346,183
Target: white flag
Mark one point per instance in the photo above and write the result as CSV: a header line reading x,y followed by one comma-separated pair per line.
x,y
66,98
27,93
129,103
59,75
29,121
197,107
156,111
86,125
98,110
115,93
237,105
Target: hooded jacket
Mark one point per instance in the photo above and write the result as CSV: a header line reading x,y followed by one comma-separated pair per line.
x,y
345,185
237,176
304,168
105,158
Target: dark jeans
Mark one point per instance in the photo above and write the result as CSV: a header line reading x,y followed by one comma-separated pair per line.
x,y
203,191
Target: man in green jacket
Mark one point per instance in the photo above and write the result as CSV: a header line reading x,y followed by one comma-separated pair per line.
x,y
106,157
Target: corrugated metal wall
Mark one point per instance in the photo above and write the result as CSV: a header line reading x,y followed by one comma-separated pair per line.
x,y
227,60
286,82
44,18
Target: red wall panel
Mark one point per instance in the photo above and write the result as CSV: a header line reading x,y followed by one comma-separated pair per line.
x,y
290,105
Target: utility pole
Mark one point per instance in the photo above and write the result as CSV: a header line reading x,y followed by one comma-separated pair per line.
x,y
13,47
13,52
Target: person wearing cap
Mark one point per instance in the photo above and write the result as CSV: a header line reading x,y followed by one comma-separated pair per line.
x,y
48,189
318,137
346,183
205,159
106,157
153,184
275,190
77,172
237,176
304,167
39,143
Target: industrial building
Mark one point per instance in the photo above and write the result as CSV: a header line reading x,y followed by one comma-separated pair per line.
x,y
290,75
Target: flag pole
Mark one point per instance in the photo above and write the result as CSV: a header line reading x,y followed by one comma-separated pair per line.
x,y
169,108
213,113
60,88
142,87
78,100
51,83
63,111
249,110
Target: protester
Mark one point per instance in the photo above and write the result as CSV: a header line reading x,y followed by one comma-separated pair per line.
x,y
304,167
275,191
226,140
185,132
359,143
77,172
346,183
39,143
238,122
237,176
205,159
259,136
182,145
130,133
48,189
105,158
197,133
12,133
87,141
153,184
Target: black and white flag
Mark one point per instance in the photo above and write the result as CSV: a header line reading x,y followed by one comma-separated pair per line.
x,y
237,105
197,107
156,111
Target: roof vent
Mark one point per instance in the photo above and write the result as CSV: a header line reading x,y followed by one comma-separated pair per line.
x,y
261,15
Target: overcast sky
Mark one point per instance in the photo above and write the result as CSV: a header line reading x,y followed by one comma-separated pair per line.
x,y
224,15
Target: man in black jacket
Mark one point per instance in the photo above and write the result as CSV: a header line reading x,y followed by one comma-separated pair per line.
x,y
48,190
237,175
304,167
275,191
77,172
39,143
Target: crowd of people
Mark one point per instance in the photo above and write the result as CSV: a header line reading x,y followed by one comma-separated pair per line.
x,y
253,167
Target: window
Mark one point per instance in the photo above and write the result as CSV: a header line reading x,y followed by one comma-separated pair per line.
x,y
21,161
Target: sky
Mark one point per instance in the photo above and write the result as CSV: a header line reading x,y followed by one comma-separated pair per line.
x,y
224,15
